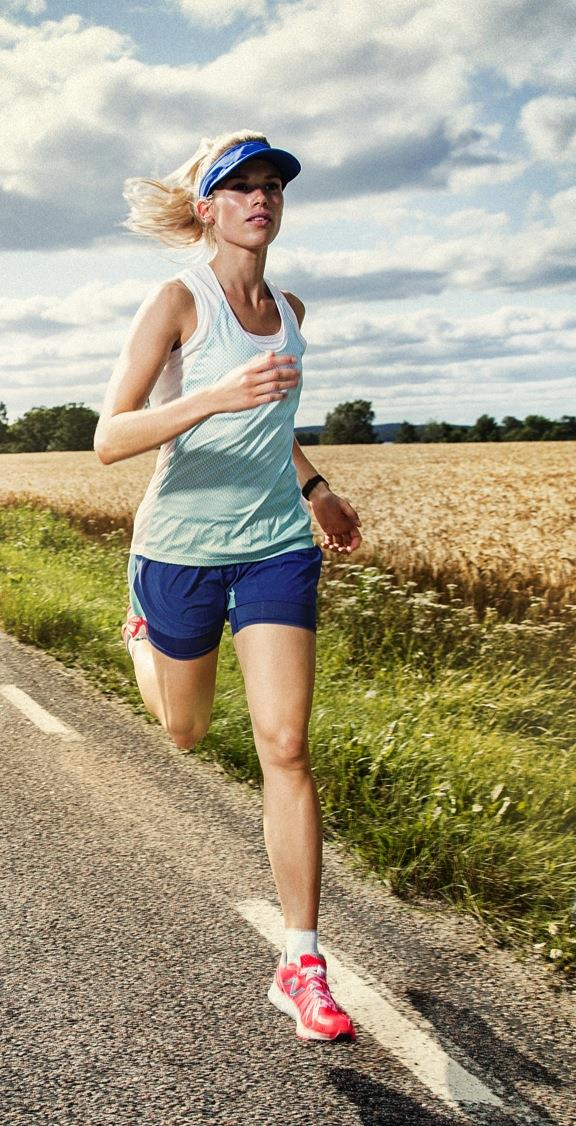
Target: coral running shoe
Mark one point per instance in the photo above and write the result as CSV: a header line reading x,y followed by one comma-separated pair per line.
x,y
135,628
300,990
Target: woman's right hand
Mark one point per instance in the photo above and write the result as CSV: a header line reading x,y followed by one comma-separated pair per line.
x,y
265,379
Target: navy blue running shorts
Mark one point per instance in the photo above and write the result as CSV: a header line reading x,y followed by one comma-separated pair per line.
x,y
186,607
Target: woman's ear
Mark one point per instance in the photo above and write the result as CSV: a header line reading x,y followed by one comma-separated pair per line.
x,y
203,211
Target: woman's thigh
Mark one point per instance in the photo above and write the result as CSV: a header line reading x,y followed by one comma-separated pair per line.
x,y
278,664
186,690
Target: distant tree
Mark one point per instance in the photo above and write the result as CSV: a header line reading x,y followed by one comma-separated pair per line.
x,y
485,429
460,434
33,432
308,438
510,422
565,428
74,428
407,433
443,432
67,427
349,423
3,425
535,428
511,429
433,431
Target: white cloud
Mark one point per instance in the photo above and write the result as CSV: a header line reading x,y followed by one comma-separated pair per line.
x,y
418,364
425,336
94,303
220,13
412,265
427,364
31,7
550,125
563,208
95,113
390,108
477,219
525,41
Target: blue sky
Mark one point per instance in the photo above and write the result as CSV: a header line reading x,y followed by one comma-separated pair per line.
x,y
431,234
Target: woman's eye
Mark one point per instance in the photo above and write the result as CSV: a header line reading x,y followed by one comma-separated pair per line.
x,y
243,186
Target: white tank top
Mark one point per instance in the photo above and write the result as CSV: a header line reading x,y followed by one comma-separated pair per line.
x,y
226,490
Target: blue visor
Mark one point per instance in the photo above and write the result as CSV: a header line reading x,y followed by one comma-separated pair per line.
x,y
287,165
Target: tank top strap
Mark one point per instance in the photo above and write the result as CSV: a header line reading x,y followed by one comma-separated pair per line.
x,y
207,297
287,312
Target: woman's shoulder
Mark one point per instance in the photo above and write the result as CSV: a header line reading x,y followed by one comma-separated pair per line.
x,y
297,306
169,310
171,295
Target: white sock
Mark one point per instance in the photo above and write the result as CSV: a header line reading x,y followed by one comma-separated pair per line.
x,y
300,942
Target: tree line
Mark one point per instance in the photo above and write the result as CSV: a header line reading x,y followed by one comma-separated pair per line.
x,y
72,426
533,428
352,423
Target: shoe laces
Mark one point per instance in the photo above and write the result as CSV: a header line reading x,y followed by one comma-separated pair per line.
x,y
319,992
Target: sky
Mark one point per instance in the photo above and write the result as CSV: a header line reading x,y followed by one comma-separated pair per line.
x,y
431,233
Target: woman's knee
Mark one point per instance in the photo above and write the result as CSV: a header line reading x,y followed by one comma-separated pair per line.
x,y
284,748
185,735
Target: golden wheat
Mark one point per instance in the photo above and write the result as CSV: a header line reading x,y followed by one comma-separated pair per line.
x,y
479,515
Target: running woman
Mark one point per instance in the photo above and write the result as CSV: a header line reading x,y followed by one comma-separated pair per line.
x,y
223,532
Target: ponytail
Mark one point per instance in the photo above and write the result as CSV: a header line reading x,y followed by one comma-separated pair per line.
x,y
166,209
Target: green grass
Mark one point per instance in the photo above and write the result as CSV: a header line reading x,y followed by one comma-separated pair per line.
x,y
442,740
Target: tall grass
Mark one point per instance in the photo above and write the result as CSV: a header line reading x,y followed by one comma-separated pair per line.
x,y
456,736
442,737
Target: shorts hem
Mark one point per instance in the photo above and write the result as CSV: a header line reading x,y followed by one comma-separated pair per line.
x,y
273,611
272,622
163,645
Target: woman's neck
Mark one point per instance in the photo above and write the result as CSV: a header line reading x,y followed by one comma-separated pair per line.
x,y
241,272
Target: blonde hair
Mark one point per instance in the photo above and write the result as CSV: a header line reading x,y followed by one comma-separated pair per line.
x,y
166,209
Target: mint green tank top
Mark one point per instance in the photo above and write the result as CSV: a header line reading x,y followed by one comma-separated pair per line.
x,y
226,490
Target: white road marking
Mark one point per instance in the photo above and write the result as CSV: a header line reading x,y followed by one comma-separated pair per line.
x,y
47,723
375,1011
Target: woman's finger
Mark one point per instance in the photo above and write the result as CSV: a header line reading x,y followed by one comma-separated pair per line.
x,y
269,361
272,390
276,380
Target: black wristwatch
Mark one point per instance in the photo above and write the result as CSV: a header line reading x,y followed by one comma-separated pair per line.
x,y
307,488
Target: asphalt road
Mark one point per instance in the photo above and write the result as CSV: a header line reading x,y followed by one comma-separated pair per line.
x,y
139,922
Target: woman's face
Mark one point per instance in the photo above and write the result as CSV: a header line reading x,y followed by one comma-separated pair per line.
x,y
247,206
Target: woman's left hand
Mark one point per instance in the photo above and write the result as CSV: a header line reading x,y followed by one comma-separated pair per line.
x,y
338,520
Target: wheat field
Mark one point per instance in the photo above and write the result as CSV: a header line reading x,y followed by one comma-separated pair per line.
x,y
482,516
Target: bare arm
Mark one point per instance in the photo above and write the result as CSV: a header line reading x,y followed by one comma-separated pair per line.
x,y
305,470
125,428
335,515
303,466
